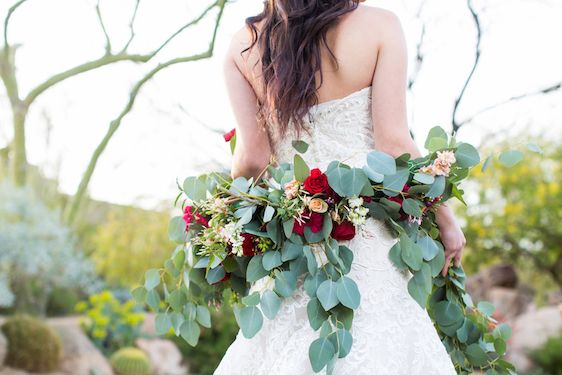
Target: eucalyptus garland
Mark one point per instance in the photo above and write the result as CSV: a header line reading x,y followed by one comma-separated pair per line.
x,y
235,232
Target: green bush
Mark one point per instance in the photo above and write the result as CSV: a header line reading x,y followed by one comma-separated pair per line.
x,y
205,357
32,345
61,302
109,323
130,361
548,358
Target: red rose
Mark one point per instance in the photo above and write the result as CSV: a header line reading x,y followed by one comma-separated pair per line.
x,y
248,248
228,136
313,220
187,216
317,182
343,231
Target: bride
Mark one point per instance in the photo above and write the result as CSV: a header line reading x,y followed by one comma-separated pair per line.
x,y
332,73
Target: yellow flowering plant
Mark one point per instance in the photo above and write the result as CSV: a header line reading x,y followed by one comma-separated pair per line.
x,y
110,323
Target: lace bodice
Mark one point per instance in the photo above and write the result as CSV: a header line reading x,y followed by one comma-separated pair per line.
x,y
392,334
339,129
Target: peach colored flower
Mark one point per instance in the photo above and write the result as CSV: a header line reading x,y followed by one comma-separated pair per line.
x,y
318,205
446,157
428,170
441,168
291,189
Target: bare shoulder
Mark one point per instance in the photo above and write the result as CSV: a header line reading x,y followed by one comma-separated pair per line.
x,y
377,24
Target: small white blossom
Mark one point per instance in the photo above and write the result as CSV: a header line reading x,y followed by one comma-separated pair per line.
x,y
355,202
231,232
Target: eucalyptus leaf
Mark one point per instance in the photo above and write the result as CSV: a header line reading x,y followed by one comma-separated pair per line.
x,y
348,293
320,353
271,259
190,332
301,169
381,162
300,146
285,283
327,294
270,304
316,314
467,156
250,320
510,158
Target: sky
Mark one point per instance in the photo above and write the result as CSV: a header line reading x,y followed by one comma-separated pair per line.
x,y
175,129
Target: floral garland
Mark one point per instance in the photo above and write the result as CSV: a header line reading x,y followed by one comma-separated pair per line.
x,y
236,232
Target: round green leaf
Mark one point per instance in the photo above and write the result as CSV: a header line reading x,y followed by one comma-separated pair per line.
x,y
419,285
429,247
301,169
486,308
316,314
162,323
447,313
250,321
190,332
327,294
311,283
394,183
251,299
467,156
285,283
348,293
271,259
424,178
320,353
381,162
255,270
510,158
342,341
476,355
177,229
270,304
411,207
151,279
203,316
411,253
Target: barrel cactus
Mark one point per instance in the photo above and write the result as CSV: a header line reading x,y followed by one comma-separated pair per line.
x,y
130,361
32,344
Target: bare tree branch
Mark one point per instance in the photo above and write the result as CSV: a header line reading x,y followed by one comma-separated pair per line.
x,y
109,59
478,51
102,25
72,210
11,11
544,91
131,27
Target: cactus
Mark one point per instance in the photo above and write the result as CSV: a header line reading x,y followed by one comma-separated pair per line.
x,y
32,344
130,361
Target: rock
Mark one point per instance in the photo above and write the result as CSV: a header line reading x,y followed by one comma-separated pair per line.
x,y
148,326
165,357
80,356
501,275
530,331
3,348
509,302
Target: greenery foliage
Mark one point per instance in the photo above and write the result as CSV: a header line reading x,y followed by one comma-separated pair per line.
x,y
515,217
239,231
213,342
129,241
37,252
130,361
548,358
109,323
32,345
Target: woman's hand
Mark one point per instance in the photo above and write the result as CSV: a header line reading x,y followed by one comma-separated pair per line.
x,y
452,237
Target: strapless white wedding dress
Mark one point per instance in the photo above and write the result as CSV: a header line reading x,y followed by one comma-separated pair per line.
x,y
392,334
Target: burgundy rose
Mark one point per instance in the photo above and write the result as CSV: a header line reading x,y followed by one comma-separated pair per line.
x,y
313,220
248,248
187,216
343,231
200,219
228,136
317,182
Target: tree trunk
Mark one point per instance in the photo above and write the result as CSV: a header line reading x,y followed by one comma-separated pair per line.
x,y
19,154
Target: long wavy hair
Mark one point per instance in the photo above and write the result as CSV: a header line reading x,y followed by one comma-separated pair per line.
x,y
289,42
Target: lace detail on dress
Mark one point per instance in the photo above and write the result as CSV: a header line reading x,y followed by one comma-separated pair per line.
x,y
392,335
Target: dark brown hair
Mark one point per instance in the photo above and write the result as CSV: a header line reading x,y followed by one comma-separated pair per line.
x,y
289,43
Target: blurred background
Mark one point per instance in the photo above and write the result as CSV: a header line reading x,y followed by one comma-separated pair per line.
x,y
105,104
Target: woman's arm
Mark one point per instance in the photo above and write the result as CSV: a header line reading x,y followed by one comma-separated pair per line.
x,y
252,152
391,124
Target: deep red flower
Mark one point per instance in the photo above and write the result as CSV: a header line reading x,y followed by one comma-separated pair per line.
x,y
200,219
367,199
343,231
399,199
187,216
248,248
313,220
317,182
228,136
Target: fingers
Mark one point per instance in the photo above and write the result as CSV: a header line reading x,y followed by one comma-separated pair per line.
x,y
448,257
458,259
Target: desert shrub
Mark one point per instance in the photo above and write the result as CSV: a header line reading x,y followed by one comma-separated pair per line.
x,y
548,358
130,361
213,342
37,252
32,345
62,301
128,242
110,323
